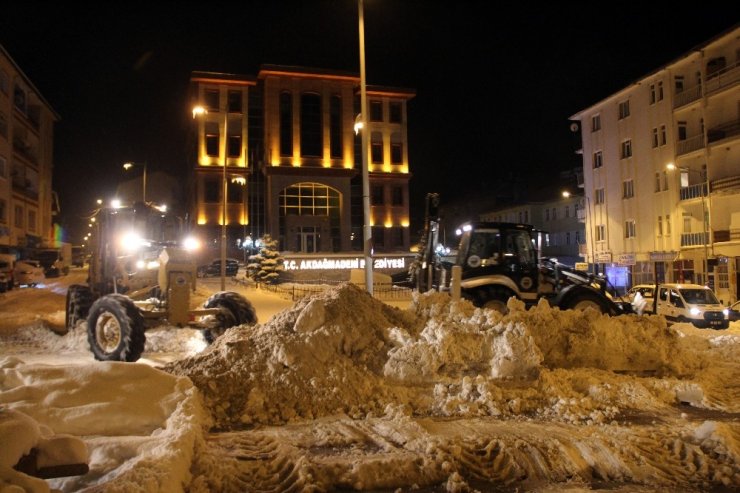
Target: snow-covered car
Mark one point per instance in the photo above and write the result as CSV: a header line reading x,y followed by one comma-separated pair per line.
x,y
646,292
6,272
29,272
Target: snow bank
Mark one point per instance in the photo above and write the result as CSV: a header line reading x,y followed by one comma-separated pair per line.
x,y
342,352
140,425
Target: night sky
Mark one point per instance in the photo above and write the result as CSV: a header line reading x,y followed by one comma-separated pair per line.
x,y
494,90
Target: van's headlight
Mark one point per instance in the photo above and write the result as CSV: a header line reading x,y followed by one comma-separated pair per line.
x,y
726,312
695,311
191,243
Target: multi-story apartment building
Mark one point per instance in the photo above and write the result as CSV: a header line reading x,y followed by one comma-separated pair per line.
x,y
26,146
294,162
561,221
661,166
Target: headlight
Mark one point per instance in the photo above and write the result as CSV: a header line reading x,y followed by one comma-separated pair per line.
x,y
132,242
695,311
726,312
190,243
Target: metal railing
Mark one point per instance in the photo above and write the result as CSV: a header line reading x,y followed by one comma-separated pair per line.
x,y
693,191
686,96
723,78
724,131
297,290
691,144
694,239
727,183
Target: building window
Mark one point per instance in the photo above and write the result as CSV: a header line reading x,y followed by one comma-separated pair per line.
x,y
396,153
212,137
335,127
3,167
376,111
19,98
311,127
652,93
662,135
682,130
397,196
3,124
210,98
655,138
660,91
286,124
668,225
4,82
554,214
600,232
678,83
235,145
376,148
547,214
599,196
211,190
32,221
3,212
567,237
395,112
598,159
376,195
18,216
628,189
378,237
624,109
234,193
578,237
567,211
665,180
235,102
627,148
595,123
660,225
629,229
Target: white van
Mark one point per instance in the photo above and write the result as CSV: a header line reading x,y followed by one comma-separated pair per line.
x,y
691,303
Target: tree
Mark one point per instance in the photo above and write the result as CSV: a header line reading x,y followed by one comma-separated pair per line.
x,y
266,265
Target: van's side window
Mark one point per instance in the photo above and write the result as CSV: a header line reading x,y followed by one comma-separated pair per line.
x,y
676,299
662,294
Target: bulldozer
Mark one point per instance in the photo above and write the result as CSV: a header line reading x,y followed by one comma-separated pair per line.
x,y
141,275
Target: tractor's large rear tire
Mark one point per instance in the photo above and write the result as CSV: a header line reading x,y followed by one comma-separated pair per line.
x,y
235,310
493,298
79,301
115,329
584,300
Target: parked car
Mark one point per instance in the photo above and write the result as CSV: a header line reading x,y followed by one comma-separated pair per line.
x,y
214,268
51,261
29,272
733,312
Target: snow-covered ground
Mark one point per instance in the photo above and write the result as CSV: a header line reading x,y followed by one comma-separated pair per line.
x,y
340,391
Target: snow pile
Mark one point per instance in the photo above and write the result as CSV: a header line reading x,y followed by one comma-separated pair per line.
x,y
342,352
139,424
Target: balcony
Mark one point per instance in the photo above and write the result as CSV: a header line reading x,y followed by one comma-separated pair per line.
x,y
724,131
694,239
693,191
686,96
726,184
689,145
723,78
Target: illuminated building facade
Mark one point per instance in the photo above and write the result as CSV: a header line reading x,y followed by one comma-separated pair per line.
x,y
661,169
26,146
288,136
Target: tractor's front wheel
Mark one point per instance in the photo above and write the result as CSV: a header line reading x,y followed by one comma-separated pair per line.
x,y
235,309
115,329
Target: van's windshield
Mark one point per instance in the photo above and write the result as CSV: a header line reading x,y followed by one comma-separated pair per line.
x,y
699,296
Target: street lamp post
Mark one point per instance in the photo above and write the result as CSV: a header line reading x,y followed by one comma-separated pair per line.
x,y
200,110
128,166
704,175
592,264
367,230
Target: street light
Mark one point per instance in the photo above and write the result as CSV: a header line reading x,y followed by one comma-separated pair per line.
x,y
128,166
592,264
704,175
199,111
367,240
